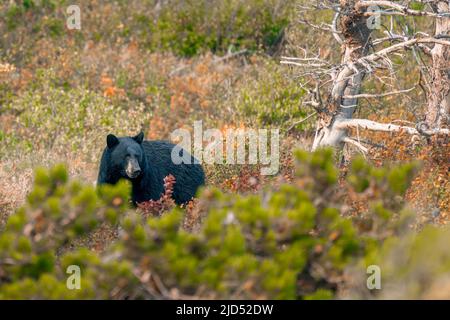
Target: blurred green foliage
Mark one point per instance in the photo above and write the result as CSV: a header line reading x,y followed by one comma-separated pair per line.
x,y
288,243
57,211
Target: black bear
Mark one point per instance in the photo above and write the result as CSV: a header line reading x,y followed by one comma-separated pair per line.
x,y
145,164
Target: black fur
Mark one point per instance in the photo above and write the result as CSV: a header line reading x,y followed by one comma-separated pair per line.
x,y
154,158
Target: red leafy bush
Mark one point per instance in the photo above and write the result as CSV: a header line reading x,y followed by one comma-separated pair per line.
x,y
165,203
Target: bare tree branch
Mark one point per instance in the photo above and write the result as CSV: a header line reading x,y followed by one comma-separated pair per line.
x,y
399,9
356,144
386,127
379,95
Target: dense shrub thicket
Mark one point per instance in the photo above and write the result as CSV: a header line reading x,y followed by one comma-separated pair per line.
x,y
290,243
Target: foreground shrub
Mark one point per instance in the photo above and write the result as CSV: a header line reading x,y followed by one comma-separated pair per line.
x,y
57,212
412,265
288,243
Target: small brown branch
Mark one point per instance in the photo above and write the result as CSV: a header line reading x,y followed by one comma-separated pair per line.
x,y
323,27
230,55
301,121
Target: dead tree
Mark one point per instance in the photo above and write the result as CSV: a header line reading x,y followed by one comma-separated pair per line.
x,y
337,88
439,92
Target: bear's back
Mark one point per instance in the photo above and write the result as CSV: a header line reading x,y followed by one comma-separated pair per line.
x,y
188,176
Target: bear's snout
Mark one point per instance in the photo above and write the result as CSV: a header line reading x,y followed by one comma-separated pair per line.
x,y
132,168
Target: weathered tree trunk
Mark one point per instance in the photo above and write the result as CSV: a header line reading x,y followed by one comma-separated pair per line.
x,y
353,25
439,92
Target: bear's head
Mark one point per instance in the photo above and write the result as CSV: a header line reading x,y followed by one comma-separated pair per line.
x,y
126,155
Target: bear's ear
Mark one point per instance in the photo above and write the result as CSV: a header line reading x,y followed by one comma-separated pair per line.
x,y
139,138
111,141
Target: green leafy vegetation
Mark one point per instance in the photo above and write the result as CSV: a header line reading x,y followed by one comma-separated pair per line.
x,y
267,246
60,120
273,98
186,28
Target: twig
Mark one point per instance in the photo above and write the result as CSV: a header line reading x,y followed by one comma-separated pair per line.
x,y
301,121
356,144
230,55
379,95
